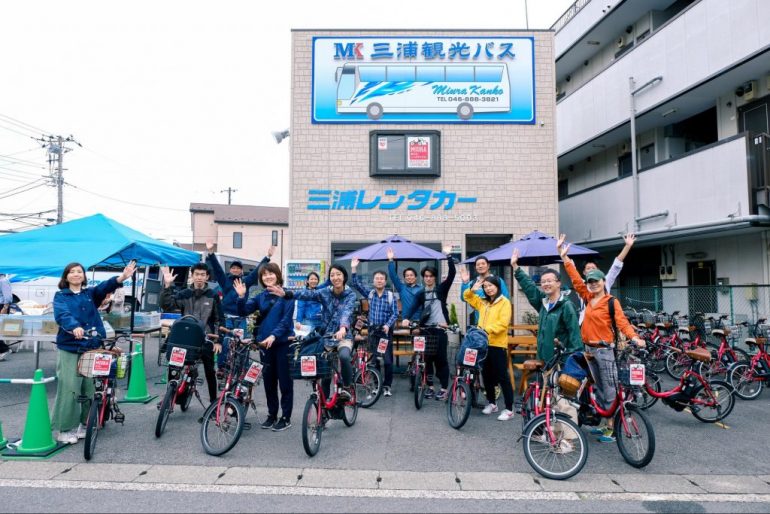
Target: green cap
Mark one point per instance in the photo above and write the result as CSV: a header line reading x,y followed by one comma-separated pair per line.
x,y
594,274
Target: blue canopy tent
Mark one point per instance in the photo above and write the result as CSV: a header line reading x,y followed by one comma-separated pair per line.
x,y
94,241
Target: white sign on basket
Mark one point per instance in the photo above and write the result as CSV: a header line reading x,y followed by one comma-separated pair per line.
x,y
636,372
178,356
307,366
419,343
254,372
470,356
101,365
382,347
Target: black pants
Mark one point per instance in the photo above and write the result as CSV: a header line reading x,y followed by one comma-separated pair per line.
x,y
275,374
4,347
495,371
438,361
346,370
387,357
207,357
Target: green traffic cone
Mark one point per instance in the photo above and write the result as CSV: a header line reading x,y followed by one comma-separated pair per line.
x,y
3,440
137,383
37,437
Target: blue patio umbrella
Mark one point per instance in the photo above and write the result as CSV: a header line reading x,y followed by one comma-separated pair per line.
x,y
404,249
535,249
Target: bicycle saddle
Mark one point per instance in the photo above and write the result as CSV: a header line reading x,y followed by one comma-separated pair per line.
x,y
699,354
533,365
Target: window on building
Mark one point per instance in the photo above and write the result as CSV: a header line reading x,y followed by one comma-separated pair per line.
x,y
647,156
275,238
624,165
563,190
397,153
237,239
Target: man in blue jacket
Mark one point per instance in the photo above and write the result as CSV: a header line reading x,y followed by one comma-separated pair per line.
x,y
408,290
229,296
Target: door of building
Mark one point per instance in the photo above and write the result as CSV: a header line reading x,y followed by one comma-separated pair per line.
x,y
701,279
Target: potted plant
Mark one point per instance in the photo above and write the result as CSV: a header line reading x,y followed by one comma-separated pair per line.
x,y
453,339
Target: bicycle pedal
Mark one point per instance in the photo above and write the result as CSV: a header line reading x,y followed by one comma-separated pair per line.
x,y
119,418
199,381
246,425
200,420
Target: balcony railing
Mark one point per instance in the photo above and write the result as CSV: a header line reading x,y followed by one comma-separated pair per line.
x,y
569,14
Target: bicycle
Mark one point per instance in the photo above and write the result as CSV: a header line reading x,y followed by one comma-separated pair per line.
x,y
634,433
183,354
320,365
693,391
100,365
725,355
553,443
367,378
748,378
424,345
463,393
225,420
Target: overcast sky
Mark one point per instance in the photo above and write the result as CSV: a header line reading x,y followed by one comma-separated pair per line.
x,y
174,101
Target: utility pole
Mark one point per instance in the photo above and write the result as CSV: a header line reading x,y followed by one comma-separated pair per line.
x,y
56,151
230,191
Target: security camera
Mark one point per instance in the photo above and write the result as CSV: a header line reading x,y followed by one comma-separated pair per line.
x,y
739,90
280,135
629,29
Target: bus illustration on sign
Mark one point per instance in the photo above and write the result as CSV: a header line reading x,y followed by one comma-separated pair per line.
x,y
464,89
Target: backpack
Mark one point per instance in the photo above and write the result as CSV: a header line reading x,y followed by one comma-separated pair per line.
x,y
187,333
476,339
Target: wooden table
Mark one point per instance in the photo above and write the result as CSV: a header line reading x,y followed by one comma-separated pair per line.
x,y
525,345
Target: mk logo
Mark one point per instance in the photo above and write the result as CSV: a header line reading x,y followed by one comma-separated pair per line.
x,y
348,51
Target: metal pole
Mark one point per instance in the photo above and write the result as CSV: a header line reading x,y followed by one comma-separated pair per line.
x,y
526,14
60,182
635,176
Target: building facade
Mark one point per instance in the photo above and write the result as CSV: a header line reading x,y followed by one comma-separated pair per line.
x,y
446,138
697,73
243,231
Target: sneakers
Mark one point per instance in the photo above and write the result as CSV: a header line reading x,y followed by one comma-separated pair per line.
x,y
386,391
3,355
80,432
608,436
506,415
344,395
566,446
597,430
430,393
442,395
282,425
489,409
270,422
69,437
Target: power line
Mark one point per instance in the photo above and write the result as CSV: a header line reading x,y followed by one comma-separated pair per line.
x,y
126,201
24,123
19,192
17,132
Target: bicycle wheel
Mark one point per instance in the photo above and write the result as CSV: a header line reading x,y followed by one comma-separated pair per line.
x,y
350,411
165,409
561,457
747,386
713,404
458,408
419,386
714,369
220,436
676,364
186,399
657,361
634,435
92,428
528,407
642,398
741,355
368,387
311,428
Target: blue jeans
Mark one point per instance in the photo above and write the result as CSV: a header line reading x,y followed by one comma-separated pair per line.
x,y
230,323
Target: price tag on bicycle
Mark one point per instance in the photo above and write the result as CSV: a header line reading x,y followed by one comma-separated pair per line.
x,y
636,372
419,343
254,372
470,356
382,346
102,364
307,366
178,356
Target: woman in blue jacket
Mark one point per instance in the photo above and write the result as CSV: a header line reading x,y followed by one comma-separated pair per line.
x,y
75,308
273,330
309,313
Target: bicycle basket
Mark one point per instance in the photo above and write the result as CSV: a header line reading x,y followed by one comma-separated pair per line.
x,y
373,341
98,363
631,373
568,385
304,365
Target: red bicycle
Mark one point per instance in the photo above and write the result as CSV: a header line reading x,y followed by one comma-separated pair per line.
x,y
748,378
725,355
366,377
321,366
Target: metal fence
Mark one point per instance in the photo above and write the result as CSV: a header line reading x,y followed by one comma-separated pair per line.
x,y
740,303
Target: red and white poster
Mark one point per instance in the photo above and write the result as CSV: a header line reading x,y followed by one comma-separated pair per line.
x,y
418,152
419,344
252,375
637,374
102,364
382,346
471,354
307,366
178,356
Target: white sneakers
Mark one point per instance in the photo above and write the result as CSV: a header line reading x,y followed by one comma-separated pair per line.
x,y
69,437
3,355
505,415
489,409
80,432
386,391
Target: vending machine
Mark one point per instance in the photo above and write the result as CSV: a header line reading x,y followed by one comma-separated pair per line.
x,y
296,270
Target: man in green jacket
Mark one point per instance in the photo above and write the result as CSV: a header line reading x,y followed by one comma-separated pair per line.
x,y
558,317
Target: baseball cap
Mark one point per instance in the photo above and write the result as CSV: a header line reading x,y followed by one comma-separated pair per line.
x,y
236,263
594,274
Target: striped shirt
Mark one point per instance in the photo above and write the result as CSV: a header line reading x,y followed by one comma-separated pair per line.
x,y
383,310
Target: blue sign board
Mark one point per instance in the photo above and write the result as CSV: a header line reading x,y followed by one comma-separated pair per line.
x,y
373,79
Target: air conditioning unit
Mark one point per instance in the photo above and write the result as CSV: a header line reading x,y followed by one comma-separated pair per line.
x,y
747,90
621,42
625,148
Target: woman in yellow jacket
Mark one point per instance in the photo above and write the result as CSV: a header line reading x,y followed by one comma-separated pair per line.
x,y
494,317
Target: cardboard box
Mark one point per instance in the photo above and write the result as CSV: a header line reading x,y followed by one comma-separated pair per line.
x,y
50,327
11,326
